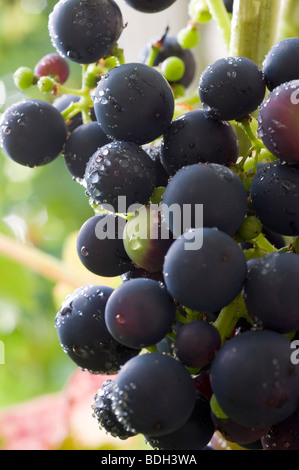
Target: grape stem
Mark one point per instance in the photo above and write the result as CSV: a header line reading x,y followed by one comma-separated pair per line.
x,y
257,152
255,27
229,316
222,19
257,144
43,264
288,23
83,105
262,243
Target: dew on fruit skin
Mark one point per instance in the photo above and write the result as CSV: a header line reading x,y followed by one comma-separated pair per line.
x,y
7,130
72,55
65,310
81,352
84,252
120,319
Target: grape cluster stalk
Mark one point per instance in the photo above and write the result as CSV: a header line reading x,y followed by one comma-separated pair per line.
x,y
195,197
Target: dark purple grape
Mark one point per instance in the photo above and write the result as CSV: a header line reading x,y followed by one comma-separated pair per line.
x,y
254,380
84,31
83,142
283,435
53,65
120,170
102,411
134,102
274,193
154,152
196,137
195,434
234,432
203,385
257,445
281,63
33,132
271,294
211,187
278,122
155,394
150,6
277,240
232,87
205,269
171,48
83,335
140,313
197,343
100,246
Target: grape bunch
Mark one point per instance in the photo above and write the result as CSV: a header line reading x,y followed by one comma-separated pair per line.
x,y
196,215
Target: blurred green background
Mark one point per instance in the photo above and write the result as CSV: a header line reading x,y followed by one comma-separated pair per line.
x,y
39,208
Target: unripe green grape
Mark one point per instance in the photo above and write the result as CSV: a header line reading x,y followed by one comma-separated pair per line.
x,y
23,78
250,228
173,68
199,11
146,239
45,84
178,90
157,195
188,37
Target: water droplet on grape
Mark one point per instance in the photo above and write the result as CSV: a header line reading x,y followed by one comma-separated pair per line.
x,y
80,351
120,319
84,251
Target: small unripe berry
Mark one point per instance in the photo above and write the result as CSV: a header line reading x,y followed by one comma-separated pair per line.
x,y
188,37
23,78
45,84
173,69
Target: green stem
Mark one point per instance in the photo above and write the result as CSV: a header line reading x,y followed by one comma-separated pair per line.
x,y
43,264
229,316
72,91
152,54
289,20
70,111
257,144
261,247
152,349
254,28
181,318
264,244
222,19
85,102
